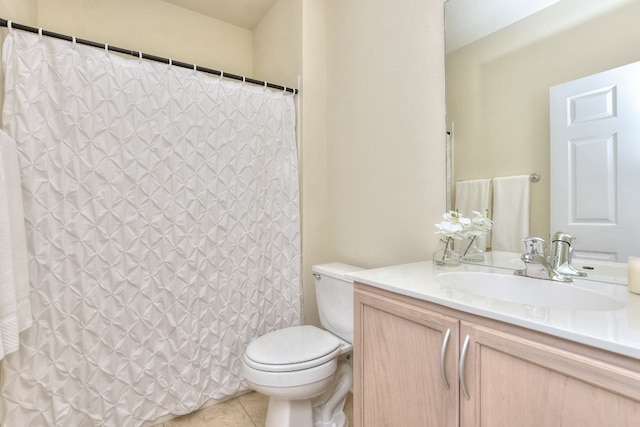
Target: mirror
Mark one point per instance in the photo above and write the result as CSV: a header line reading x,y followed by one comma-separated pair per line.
x,y
498,78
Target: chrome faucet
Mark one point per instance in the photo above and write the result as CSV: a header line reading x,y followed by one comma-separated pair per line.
x,y
562,255
537,263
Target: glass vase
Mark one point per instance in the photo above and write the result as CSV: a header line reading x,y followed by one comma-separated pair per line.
x,y
472,251
446,256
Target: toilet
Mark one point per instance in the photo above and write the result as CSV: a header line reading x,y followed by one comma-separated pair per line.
x,y
305,370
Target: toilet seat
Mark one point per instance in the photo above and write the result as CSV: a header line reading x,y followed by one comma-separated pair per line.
x,y
292,349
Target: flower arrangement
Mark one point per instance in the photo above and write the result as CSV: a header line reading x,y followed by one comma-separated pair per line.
x,y
457,226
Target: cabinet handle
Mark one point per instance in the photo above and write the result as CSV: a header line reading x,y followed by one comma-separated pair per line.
x,y
463,356
443,355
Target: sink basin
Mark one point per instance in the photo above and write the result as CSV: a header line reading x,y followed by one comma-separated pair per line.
x,y
525,290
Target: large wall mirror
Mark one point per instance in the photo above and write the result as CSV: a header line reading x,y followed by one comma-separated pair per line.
x,y
501,62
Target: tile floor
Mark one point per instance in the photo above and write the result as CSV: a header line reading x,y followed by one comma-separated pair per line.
x,y
247,410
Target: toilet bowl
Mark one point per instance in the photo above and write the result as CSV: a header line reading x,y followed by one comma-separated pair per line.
x,y
302,368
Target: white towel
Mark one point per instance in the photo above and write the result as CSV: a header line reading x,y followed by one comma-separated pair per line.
x,y
15,308
474,195
510,213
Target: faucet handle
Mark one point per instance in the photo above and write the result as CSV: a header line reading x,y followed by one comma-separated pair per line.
x,y
562,237
562,253
535,246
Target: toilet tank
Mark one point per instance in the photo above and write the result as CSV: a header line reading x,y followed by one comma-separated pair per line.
x,y
334,293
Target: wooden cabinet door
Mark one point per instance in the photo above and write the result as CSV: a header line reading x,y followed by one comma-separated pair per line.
x,y
399,378
513,381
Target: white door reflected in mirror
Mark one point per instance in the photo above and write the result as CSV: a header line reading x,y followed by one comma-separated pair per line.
x,y
595,163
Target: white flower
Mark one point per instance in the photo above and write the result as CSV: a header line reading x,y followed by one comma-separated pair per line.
x,y
480,225
453,225
457,226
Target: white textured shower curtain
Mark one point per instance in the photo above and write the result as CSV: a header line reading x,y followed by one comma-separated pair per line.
x,y
162,221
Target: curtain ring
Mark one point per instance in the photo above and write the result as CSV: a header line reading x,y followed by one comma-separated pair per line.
x,y
221,74
106,47
73,42
284,90
140,55
9,24
40,32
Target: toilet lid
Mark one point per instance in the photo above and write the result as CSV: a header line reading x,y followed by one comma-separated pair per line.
x,y
292,349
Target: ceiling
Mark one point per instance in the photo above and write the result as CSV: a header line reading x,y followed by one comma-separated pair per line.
x,y
242,13
466,20
474,18
470,20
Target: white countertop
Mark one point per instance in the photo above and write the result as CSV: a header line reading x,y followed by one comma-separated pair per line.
x,y
614,330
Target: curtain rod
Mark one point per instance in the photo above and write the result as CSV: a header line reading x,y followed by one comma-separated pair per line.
x,y
142,55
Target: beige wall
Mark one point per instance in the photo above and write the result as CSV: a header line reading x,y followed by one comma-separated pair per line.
x,y
498,99
154,27
386,130
277,44
313,150
371,127
24,11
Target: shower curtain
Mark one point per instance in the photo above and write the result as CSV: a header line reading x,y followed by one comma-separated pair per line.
x,y
163,226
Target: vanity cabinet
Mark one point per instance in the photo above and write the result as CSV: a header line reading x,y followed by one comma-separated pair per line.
x,y
405,364
511,376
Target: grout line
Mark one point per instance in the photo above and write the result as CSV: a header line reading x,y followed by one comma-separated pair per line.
x,y
247,412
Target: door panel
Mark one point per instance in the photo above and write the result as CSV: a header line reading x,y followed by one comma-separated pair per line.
x,y
513,381
595,162
401,372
